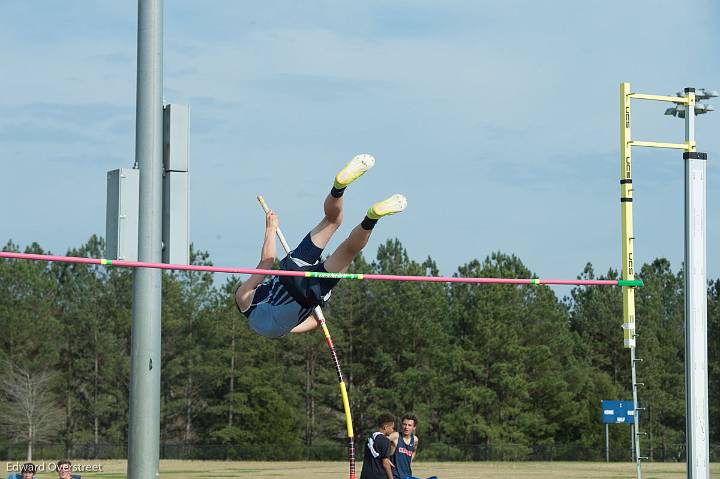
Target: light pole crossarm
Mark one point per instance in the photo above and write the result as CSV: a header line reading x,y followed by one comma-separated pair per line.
x,y
671,99
689,146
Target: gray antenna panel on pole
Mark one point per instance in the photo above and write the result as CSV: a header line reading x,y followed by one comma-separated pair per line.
x,y
176,137
121,221
176,161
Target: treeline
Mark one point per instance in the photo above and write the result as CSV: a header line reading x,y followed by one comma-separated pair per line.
x,y
493,366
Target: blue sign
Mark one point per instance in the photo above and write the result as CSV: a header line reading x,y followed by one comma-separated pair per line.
x,y
618,412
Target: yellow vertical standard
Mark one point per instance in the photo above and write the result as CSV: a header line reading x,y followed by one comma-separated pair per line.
x,y
626,197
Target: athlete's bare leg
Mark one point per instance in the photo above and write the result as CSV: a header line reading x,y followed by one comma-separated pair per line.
x,y
321,234
333,205
340,260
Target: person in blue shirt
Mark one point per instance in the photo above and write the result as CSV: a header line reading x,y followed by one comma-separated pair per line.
x,y
27,471
281,304
405,444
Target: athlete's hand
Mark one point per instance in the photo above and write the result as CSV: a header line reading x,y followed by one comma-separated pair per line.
x,y
271,220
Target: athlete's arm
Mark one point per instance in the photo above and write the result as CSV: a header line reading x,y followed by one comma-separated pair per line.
x,y
268,253
386,450
394,436
388,465
417,441
310,323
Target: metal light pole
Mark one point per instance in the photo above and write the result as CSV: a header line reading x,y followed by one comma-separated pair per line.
x,y
696,370
144,424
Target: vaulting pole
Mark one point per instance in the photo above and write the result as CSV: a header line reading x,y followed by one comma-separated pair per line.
x,y
343,390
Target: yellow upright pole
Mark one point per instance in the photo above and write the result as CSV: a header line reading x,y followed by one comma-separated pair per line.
x,y
626,197
628,267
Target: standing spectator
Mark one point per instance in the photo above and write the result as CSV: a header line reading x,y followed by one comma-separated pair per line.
x,y
405,446
377,452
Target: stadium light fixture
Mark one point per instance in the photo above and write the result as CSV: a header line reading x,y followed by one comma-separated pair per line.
x,y
679,110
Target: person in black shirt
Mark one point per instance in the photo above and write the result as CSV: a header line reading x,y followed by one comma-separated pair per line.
x,y
378,449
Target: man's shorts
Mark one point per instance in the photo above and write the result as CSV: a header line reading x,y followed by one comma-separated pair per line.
x,y
308,292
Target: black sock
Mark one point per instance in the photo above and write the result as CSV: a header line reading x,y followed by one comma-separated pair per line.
x,y
368,223
337,192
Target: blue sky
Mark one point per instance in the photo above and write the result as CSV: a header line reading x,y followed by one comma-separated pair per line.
x,y
498,120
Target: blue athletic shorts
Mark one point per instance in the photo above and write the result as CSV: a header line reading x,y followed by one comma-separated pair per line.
x,y
308,292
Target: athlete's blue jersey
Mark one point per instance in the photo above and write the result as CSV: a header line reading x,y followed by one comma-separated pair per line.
x,y
402,457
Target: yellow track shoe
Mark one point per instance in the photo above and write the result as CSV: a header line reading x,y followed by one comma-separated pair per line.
x,y
394,204
354,170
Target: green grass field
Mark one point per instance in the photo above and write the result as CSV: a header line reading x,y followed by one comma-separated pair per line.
x,y
444,470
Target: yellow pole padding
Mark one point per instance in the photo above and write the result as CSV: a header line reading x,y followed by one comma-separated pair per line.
x,y
626,197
